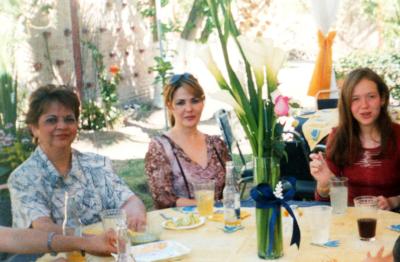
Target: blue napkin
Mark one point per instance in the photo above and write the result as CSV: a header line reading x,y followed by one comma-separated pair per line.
x,y
395,227
228,229
188,209
330,243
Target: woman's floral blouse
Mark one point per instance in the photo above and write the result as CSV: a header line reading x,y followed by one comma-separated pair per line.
x,y
165,178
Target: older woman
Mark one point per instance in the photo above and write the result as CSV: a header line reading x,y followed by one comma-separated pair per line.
x,y
365,147
184,155
38,185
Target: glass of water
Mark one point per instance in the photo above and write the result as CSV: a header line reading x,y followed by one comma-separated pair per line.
x,y
113,218
338,193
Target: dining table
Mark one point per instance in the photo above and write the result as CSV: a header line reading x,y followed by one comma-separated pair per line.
x,y
209,242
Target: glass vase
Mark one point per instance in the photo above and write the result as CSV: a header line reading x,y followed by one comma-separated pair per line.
x,y
266,170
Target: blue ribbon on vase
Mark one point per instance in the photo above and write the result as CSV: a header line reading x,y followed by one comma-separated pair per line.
x,y
264,197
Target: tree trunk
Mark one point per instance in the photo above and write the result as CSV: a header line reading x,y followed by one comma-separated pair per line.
x,y
76,46
154,21
196,17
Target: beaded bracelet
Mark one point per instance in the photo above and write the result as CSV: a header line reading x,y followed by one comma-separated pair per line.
x,y
50,237
323,191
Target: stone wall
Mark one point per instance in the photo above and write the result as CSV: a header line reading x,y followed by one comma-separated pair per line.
x,y
115,27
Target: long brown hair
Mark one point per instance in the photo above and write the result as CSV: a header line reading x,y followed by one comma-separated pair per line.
x,y
345,146
176,82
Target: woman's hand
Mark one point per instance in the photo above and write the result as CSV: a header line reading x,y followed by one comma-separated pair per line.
x,y
379,257
135,214
101,245
320,170
388,203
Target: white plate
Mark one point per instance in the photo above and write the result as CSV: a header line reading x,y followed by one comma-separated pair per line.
x,y
201,222
159,251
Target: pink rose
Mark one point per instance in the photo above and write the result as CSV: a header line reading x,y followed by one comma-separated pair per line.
x,y
281,105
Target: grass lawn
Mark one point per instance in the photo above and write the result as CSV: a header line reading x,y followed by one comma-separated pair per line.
x,y
132,171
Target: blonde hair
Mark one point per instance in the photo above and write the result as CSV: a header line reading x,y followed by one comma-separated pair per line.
x,y
176,82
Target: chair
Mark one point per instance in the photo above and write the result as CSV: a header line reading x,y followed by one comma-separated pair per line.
x,y
326,103
246,174
297,165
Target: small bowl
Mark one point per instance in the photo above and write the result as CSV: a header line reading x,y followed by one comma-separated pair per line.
x,y
138,238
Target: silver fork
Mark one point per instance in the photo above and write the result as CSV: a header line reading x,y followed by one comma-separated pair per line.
x,y
168,217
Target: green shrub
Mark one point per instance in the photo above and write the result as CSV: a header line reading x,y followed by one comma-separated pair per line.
x,y
8,101
386,64
15,141
100,113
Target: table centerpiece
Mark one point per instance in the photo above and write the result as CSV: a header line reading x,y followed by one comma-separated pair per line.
x,y
258,106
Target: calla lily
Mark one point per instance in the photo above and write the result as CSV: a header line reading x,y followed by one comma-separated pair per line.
x,y
255,51
275,63
225,97
262,54
259,117
206,56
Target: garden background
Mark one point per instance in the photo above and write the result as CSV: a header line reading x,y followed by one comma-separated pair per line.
x,y
116,55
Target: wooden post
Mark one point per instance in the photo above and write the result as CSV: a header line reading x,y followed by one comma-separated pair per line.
x,y
76,46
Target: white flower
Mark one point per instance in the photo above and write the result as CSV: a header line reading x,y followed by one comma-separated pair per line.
x,y
206,56
262,53
256,53
278,190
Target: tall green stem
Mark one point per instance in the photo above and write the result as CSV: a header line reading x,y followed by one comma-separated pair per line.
x,y
267,171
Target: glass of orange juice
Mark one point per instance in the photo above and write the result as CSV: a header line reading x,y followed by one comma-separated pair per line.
x,y
75,256
204,195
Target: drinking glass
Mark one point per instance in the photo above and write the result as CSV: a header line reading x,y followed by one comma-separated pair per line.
x,y
319,218
123,244
366,213
338,193
152,232
204,195
113,218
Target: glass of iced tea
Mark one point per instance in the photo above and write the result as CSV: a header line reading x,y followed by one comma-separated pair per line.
x,y
366,213
204,195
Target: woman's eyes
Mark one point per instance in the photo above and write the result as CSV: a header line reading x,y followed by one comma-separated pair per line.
x,y
52,120
193,101
69,120
369,96
196,100
180,103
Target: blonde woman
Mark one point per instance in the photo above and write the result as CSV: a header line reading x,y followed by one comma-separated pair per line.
x,y
184,155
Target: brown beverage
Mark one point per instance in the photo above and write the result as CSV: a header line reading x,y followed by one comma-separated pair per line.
x,y
366,228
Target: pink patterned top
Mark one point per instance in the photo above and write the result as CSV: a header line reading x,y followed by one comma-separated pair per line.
x,y
166,181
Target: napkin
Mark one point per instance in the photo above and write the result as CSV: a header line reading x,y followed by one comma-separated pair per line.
x,y
219,217
395,227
